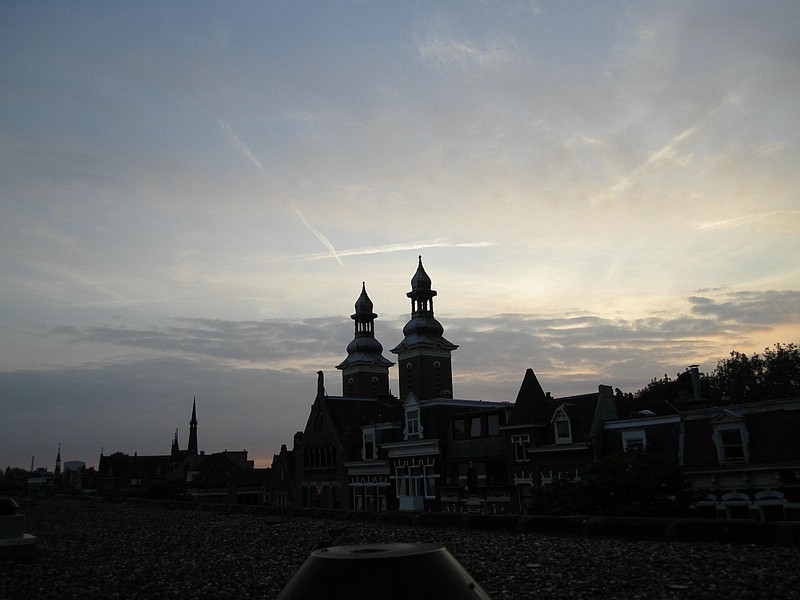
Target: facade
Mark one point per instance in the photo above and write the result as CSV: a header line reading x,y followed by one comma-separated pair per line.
x,y
741,460
552,439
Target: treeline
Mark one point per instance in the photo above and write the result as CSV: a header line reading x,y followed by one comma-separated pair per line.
x,y
772,375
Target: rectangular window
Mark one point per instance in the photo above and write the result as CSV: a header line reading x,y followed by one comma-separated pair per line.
x,y
430,481
732,445
414,480
450,474
402,481
368,451
496,472
634,440
493,422
563,432
520,444
459,432
475,427
412,423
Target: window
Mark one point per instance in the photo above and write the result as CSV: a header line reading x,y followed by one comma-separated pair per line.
x,y
368,451
412,420
413,428
459,432
634,440
520,444
450,474
493,424
562,426
401,474
496,473
475,427
731,441
430,481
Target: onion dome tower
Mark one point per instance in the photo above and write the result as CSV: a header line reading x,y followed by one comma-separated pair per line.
x,y
365,371
423,356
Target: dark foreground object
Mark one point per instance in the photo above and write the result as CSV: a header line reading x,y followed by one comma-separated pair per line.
x,y
15,544
400,571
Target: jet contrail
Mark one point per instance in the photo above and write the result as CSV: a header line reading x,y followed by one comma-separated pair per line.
x,y
319,235
237,143
440,243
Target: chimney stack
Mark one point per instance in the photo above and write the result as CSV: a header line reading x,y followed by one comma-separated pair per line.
x,y
693,369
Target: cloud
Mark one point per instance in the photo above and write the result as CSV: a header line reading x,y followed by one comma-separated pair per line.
x,y
442,49
278,342
748,310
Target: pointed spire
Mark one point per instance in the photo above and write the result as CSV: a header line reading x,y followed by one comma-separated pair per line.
x,y
175,446
58,460
192,446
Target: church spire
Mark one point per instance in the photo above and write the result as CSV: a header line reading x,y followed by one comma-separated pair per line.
x,y
423,356
58,461
365,372
175,447
192,447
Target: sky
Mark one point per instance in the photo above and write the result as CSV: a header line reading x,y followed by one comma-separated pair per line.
x,y
193,193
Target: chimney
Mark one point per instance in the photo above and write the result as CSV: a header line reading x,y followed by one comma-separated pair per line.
x,y
320,383
693,369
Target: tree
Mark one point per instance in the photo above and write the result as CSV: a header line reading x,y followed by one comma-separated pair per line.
x,y
739,379
743,378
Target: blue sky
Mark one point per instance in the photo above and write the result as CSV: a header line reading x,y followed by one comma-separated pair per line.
x,y
193,193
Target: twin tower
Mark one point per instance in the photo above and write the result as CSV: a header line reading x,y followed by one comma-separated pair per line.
x,y
423,356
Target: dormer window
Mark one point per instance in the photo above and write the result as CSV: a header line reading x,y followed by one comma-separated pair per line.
x,y
413,429
731,437
731,441
562,426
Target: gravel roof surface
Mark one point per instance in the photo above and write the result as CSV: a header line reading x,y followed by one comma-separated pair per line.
x,y
97,550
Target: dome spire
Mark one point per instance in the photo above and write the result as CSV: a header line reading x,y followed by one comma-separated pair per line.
x,y
365,372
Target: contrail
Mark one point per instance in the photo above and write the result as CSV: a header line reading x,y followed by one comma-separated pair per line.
x,y
319,235
237,143
627,180
440,243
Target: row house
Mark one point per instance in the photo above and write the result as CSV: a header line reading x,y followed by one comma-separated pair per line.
x,y
741,460
427,450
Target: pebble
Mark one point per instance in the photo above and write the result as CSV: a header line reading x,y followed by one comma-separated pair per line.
x,y
99,550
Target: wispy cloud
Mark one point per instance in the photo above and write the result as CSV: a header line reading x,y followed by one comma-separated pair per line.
x,y
401,247
443,49
236,142
320,236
